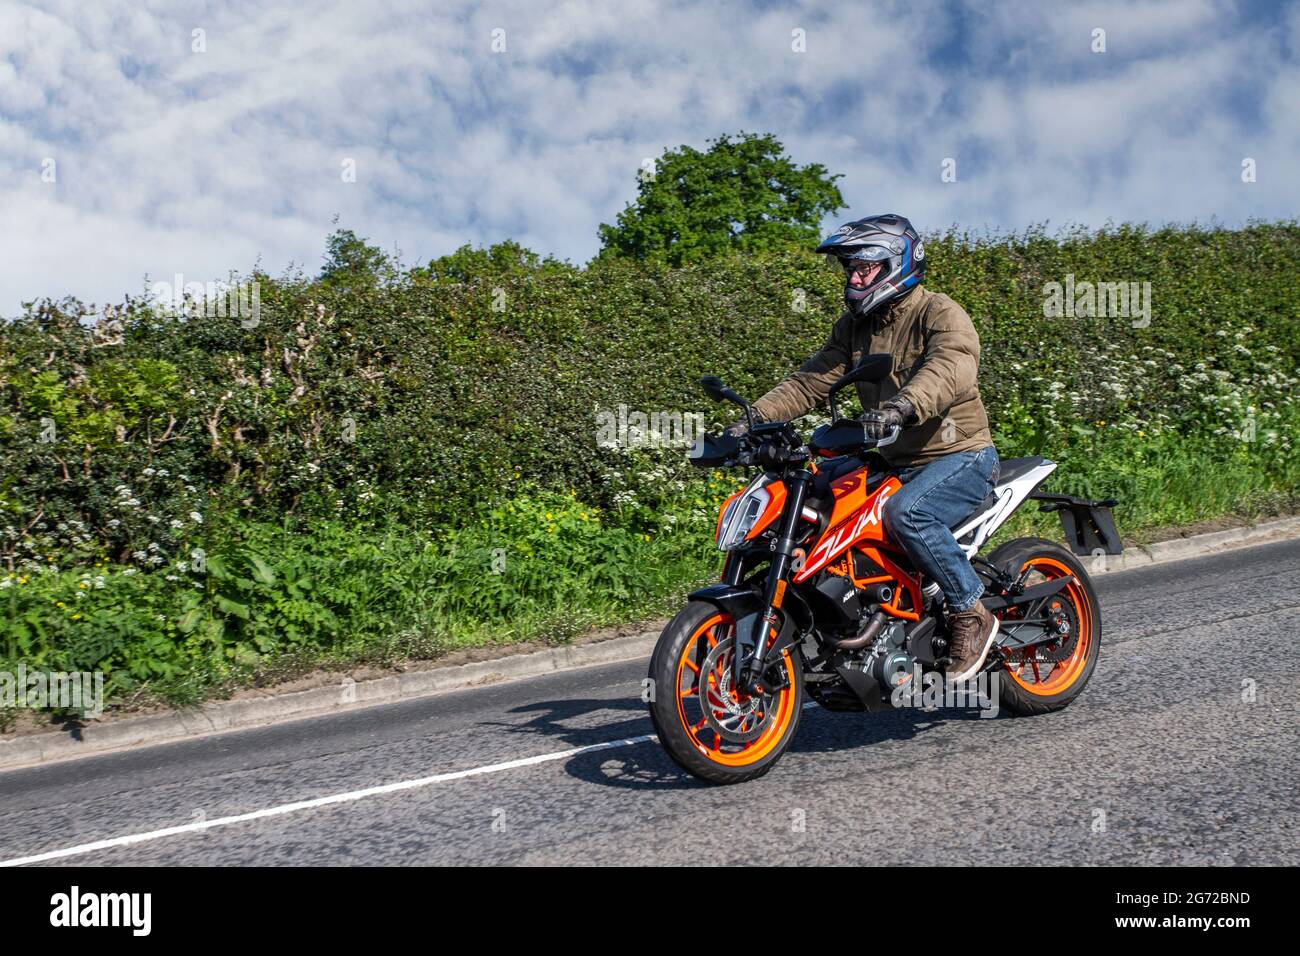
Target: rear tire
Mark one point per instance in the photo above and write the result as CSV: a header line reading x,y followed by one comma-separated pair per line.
x,y
1029,687
692,704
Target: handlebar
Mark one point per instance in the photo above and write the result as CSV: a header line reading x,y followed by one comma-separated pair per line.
x,y
772,445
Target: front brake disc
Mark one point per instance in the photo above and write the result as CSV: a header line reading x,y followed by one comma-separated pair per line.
x,y
736,718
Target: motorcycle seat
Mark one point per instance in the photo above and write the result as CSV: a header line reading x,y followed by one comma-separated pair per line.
x,y
1009,469
1013,468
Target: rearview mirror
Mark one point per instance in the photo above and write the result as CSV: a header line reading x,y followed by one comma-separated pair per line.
x,y
872,368
716,390
713,387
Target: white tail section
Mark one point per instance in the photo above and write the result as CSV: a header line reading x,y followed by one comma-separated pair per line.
x,y
1010,494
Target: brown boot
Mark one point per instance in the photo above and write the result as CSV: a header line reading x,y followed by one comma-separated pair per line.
x,y
972,633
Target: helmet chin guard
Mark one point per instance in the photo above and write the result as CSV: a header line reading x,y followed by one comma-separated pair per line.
x,y
889,240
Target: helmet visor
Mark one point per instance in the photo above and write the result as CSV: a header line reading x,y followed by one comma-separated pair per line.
x,y
864,258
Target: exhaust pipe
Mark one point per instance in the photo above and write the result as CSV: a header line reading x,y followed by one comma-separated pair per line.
x,y
866,637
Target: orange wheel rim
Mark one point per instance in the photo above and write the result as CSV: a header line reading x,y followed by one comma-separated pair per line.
x,y
1049,679
725,726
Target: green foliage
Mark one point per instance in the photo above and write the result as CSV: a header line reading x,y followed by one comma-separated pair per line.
x,y
468,264
542,566
740,195
350,260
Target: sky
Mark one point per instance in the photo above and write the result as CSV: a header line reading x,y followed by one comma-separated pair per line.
x,y
143,139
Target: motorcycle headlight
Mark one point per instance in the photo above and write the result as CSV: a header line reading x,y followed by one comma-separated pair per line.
x,y
738,520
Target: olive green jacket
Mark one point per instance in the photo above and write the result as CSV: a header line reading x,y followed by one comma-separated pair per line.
x,y
936,366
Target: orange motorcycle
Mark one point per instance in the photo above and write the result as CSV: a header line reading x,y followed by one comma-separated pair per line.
x,y
816,599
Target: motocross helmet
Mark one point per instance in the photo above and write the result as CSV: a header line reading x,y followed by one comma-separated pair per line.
x,y
888,239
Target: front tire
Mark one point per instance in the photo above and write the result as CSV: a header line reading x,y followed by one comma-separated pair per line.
x,y
707,727
1032,686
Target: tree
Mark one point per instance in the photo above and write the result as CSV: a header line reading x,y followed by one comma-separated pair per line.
x,y
349,258
503,259
743,194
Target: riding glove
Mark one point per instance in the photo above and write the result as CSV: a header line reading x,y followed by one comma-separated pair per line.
x,y
894,413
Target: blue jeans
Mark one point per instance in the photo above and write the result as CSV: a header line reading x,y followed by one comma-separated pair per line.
x,y
935,497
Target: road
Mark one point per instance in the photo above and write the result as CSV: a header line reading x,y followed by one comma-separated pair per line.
x,y
1167,758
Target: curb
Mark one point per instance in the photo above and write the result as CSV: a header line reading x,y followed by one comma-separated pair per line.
x,y
1197,545
225,716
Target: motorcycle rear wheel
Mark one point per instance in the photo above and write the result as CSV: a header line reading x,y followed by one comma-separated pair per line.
x,y
1029,686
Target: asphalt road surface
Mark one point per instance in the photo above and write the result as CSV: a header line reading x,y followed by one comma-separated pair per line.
x,y
1182,750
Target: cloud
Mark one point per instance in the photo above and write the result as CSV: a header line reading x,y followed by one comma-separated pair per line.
x,y
171,160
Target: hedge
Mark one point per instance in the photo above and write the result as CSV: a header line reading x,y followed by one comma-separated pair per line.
x,y
426,399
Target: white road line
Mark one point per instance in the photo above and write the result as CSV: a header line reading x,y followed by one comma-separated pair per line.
x,y
321,802
349,797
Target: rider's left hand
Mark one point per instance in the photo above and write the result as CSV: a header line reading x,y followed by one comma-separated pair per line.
x,y
881,421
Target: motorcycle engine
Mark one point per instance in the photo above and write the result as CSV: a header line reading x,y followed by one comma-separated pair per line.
x,y
888,660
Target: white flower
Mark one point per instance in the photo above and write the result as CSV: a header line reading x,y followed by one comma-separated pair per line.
x,y
196,517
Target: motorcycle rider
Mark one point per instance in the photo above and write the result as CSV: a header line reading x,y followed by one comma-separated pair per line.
x,y
944,456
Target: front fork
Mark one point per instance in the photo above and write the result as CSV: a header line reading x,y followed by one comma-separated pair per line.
x,y
747,672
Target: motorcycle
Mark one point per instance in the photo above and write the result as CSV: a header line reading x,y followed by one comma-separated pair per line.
x,y
817,600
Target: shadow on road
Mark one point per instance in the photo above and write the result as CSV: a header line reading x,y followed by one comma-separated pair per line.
x,y
648,767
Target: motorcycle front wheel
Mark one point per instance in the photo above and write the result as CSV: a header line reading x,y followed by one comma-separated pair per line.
x,y
707,726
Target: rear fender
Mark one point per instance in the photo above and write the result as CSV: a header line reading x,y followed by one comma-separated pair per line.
x,y
1089,526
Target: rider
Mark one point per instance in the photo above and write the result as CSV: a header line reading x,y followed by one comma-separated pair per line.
x,y
946,459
